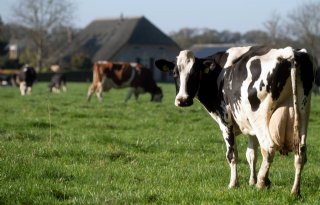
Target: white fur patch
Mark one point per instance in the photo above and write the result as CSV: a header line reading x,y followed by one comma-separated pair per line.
x,y
235,53
185,61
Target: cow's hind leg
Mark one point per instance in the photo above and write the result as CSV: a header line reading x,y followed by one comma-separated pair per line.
x,y
95,88
64,87
263,175
91,90
300,157
99,93
299,161
251,155
232,157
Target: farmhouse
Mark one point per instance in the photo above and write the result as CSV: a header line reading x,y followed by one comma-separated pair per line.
x,y
133,39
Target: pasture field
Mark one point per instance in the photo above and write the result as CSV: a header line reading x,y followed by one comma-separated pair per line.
x,y
58,149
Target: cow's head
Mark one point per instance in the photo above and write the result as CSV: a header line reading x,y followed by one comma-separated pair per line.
x,y
187,75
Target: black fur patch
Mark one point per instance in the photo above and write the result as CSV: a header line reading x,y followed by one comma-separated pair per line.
x,y
277,79
210,90
255,69
234,78
305,69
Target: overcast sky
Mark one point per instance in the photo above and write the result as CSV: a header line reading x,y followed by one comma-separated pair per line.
x,y
172,15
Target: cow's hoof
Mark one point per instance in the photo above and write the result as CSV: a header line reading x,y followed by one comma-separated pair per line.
x,y
296,193
261,184
252,181
233,185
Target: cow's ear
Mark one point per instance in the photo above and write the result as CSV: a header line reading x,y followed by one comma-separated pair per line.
x,y
209,65
164,65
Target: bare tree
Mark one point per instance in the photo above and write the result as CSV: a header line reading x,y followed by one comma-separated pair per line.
x,y
41,17
255,36
184,37
304,25
273,28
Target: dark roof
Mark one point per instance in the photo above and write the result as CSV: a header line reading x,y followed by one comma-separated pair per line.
x,y
103,38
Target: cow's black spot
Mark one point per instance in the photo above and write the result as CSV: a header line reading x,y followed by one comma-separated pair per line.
x,y
253,99
234,78
277,79
305,69
255,69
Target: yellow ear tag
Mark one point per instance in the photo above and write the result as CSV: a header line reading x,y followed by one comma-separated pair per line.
x,y
206,70
165,68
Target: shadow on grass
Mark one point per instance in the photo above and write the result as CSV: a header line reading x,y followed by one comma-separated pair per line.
x,y
41,125
21,136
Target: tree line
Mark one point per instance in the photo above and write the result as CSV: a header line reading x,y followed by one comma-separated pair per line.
x,y
300,28
44,28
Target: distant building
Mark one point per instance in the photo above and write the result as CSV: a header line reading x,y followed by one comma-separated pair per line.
x,y
204,50
123,39
13,52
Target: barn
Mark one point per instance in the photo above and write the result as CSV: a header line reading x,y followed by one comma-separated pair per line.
x,y
131,39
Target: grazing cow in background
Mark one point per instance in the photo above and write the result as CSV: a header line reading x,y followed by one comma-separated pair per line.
x,y
317,82
107,75
7,79
58,83
25,79
259,91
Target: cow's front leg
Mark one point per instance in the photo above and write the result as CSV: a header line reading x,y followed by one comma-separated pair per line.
x,y
232,157
263,175
64,88
251,155
136,94
29,89
129,94
23,88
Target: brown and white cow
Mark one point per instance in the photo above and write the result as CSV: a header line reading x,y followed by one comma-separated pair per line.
x,y
258,91
107,75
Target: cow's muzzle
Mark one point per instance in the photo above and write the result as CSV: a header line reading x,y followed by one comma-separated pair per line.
x,y
183,101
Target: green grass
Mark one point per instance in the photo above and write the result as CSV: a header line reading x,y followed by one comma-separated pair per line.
x,y
58,149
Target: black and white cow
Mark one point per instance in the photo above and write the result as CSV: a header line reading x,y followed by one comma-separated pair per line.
x,y
258,91
7,79
58,82
25,79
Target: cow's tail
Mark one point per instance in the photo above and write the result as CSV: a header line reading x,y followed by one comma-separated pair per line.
x,y
296,133
96,72
97,75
